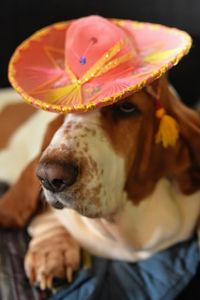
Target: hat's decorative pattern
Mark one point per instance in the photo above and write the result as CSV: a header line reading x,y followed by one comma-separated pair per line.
x,y
56,71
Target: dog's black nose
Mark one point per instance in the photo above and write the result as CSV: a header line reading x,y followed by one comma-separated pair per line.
x,y
56,176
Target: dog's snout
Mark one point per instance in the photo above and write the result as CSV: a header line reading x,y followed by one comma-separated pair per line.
x,y
56,177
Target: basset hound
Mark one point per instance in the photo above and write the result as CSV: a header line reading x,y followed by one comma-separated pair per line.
x,y
111,188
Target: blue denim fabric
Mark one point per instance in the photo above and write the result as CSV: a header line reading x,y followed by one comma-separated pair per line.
x,y
161,277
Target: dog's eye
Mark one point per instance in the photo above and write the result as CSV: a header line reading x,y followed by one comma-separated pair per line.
x,y
126,108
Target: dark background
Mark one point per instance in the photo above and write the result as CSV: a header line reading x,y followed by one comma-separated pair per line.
x,y
20,18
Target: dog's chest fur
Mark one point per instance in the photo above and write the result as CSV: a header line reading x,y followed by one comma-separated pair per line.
x,y
136,232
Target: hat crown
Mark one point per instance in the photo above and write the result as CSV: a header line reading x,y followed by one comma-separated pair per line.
x,y
88,39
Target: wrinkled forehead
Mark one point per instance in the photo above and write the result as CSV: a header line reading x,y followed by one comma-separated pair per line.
x,y
83,118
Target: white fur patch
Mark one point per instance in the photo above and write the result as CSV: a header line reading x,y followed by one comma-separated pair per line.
x,y
137,231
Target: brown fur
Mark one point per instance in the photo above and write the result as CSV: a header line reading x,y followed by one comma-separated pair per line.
x,y
19,203
134,138
11,118
146,161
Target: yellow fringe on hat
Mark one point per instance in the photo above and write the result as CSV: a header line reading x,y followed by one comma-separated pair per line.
x,y
168,132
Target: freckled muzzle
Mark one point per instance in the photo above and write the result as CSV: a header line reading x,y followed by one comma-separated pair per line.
x,y
79,169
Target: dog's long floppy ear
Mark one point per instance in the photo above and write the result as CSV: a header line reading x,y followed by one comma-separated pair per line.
x,y
179,162
189,127
19,203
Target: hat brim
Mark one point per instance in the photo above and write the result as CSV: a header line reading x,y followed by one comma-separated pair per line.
x,y
37,66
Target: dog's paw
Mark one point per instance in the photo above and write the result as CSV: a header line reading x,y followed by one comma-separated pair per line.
x,y
53,257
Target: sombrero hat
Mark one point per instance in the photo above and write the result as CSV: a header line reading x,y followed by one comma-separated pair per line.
x,y
92,61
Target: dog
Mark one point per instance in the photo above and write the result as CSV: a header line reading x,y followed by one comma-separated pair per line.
x,y
111,189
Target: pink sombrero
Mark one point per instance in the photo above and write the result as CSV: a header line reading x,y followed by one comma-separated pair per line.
x,y
92,61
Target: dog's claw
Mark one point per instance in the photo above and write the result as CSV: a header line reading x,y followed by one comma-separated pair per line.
x,y
49,282
43,283
69,274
